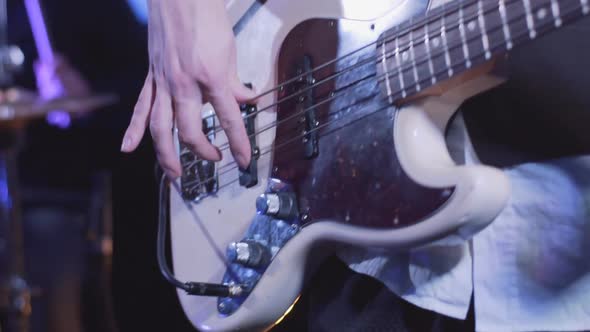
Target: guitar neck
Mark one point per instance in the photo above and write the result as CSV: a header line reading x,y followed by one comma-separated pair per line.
x,y
455,37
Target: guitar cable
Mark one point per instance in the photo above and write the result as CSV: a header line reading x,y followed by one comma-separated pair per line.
x,y
191,287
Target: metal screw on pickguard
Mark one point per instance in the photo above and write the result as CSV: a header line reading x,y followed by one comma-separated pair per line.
x,y
305,217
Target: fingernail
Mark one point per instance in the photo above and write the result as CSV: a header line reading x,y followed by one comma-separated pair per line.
x,y
219,155
242,161
126,144
172,175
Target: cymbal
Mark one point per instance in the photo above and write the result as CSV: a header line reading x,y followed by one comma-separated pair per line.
x,y
18,104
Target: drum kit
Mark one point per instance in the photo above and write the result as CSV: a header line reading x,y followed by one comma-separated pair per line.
x,y
18,108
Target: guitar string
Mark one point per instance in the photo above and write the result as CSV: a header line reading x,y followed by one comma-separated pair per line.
x,y
223,171
278,147
175,185
395,34
284,144
398,71
225,145
422,60
335,94
178,189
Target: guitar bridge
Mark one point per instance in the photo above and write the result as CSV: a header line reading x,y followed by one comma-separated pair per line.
x,y
199,177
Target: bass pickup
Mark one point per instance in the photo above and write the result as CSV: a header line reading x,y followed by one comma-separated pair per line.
x,y
249,176
306,106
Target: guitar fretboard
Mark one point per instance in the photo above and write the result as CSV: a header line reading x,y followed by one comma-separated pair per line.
x,y
457,36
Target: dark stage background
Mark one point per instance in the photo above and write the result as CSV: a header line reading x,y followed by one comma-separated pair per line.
x,y
63,171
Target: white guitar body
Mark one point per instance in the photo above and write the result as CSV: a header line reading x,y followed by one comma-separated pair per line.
x,y
199,238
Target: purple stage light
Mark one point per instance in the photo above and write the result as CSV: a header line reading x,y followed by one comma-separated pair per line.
x,y
48,86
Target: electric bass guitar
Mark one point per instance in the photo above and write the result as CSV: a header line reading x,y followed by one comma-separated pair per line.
x,y
348,144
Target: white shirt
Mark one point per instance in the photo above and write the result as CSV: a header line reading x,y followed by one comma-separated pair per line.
x,y
528,271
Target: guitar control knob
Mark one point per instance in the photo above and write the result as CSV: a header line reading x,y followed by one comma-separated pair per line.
x,y
248,253
278,205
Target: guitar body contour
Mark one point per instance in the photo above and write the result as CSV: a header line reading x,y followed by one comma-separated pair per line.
x,y
380,176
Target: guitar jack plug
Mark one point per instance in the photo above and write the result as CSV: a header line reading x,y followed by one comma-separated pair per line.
x,y
191,287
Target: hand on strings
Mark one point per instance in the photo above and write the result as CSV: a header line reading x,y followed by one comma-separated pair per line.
x,y
192,56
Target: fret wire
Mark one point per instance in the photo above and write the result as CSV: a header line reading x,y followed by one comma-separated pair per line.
x,y
401,72
413,60
524,33
492,28
396,93
446,49
506,27
431,19
386,71
482,27
433,14
386,36
463,39
555,12
275,148
429,54
445,42
583,8
443,38
529,19
427,19
392,53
